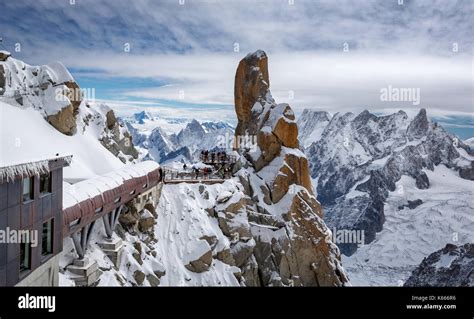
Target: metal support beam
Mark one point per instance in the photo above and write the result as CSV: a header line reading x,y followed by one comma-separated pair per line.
x,y
77,245
81,239
89,233
108,228
110,220
116,217
84,239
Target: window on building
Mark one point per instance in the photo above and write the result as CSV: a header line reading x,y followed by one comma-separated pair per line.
x,y
28,189
45,183
25,256
47,239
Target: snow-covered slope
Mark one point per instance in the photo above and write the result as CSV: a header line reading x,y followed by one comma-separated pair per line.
x,y
451,266
183,232
408,235
358,160
44,115
35,86
406,183
311,125
25,137
470,142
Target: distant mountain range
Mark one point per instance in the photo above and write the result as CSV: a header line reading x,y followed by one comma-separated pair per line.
x,y
156,141
404,183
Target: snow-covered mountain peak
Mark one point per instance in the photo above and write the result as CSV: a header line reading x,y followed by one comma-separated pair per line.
x,y
357,160
311,125
165,140
212,126
419,126
143,116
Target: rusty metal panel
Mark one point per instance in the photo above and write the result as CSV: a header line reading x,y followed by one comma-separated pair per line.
x,y
27,214
3,274
36,251
3,196
46,207
111,196
55,182
3,246
57,237
13,272
130,189
13,252
154,177
71,214
14,217
14,193
98,202
141,181
56,202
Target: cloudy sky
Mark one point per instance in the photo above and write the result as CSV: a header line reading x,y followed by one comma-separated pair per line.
x,y
335,55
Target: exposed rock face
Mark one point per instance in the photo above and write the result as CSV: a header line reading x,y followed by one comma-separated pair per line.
x,y
452,266
111,120
2,80
129,218
64,121
139,277
467,172
272,124
419,126
74,94
358,159
251,84
114,135
52,90
290,243
146,221
66,118
118,140
411,204
4,55
202,262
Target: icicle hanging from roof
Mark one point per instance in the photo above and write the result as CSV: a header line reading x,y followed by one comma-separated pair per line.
x,y
9,173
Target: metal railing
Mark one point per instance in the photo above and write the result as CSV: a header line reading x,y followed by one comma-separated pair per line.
x,y
193,175
217,158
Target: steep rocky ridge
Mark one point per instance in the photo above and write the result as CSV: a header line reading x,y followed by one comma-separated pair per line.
x,y
292,244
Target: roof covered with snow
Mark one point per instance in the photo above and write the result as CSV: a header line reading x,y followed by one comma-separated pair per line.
x,y
9,173
76,193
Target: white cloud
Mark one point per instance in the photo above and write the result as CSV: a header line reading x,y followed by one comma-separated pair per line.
x,y
335,81
191,47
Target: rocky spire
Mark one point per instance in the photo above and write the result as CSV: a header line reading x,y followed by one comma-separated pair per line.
x,y
419,126
302,254
251,85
